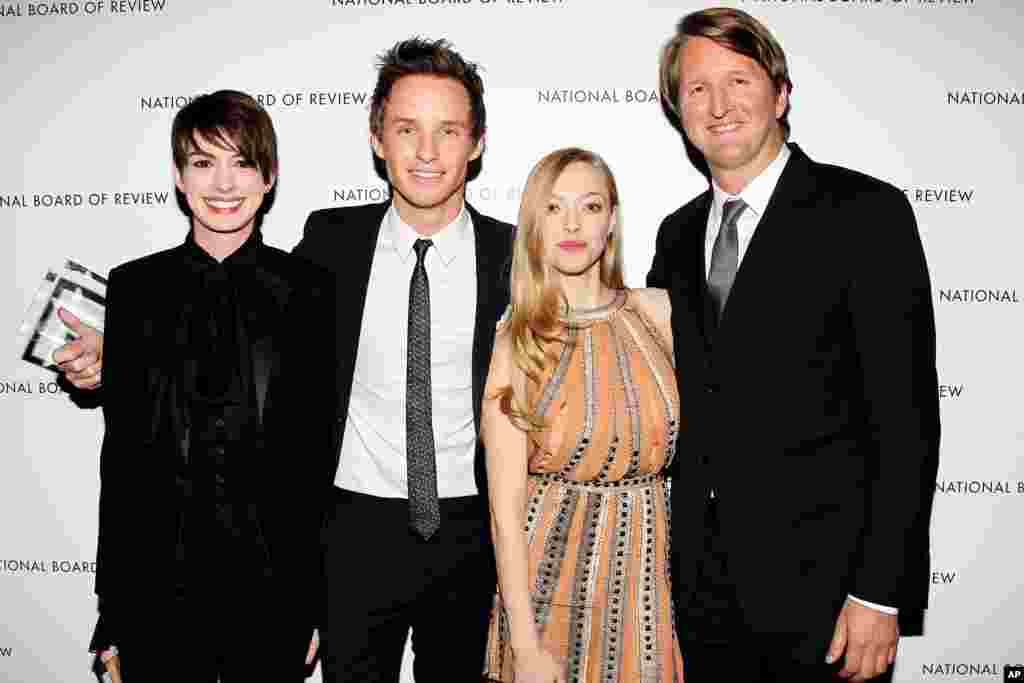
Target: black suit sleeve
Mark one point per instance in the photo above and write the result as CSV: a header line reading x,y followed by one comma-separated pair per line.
x,y
306,248
300,419
324,300
86,399
894,335
658,276
122,378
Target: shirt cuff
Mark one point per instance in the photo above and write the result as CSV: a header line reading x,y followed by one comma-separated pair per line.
x,y
884,609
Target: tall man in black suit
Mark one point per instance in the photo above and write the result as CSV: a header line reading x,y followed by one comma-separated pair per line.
x,y
805,350
422,279
216,460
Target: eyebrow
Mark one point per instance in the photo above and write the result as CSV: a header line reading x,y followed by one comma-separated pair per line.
x,y
739,70
195,152
446,122
579,196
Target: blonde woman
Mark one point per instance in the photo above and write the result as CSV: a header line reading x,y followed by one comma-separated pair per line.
x,y
580,421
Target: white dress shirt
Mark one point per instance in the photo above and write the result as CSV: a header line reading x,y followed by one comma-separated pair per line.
x,y
373,448
756,195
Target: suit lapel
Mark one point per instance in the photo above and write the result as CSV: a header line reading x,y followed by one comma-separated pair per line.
x,y
491,298
707,315
259,351
263,358
355,246
699,305
770,242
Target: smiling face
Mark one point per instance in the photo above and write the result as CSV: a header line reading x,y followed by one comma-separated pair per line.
x,y
426,142
730,110
576,219
224,189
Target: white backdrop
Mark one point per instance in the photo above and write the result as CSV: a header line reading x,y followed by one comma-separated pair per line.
x,y
926,94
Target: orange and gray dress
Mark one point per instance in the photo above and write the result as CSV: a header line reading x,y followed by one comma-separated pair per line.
x,y
597,517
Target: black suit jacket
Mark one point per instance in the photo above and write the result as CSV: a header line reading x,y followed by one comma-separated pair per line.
x,y
344,240
812,410
283,474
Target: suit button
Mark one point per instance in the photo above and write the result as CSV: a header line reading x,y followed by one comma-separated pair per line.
x,y
219,423
219,450
711,388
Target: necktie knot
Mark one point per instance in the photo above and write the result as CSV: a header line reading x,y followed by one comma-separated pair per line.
x,y
732,210
420,247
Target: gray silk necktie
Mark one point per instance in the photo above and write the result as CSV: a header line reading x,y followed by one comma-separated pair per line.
x,y
725,256
424,509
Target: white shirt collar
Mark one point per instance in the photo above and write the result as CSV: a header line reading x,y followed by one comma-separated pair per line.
x,y
759,191
448,241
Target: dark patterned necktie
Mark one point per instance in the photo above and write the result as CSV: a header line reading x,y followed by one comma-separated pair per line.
x,y
725,256
424,510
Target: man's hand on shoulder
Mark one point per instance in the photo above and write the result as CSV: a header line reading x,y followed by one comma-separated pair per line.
x,y
81,360
868,637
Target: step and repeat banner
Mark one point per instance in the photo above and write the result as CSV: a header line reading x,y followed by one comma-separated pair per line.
x,y
926,94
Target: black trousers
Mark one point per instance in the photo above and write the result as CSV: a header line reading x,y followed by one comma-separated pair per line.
x,y
382,580
719,645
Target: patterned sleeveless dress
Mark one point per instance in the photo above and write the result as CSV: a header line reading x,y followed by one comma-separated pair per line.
x,y
597,517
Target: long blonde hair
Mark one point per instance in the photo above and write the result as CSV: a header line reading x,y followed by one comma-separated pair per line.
x,y
536,298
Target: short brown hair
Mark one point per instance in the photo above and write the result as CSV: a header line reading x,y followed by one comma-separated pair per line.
x,y
231,120
427,57
734,30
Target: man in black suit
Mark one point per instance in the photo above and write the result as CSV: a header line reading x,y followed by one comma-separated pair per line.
x,y
424,276
421,283
805,351
216,460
